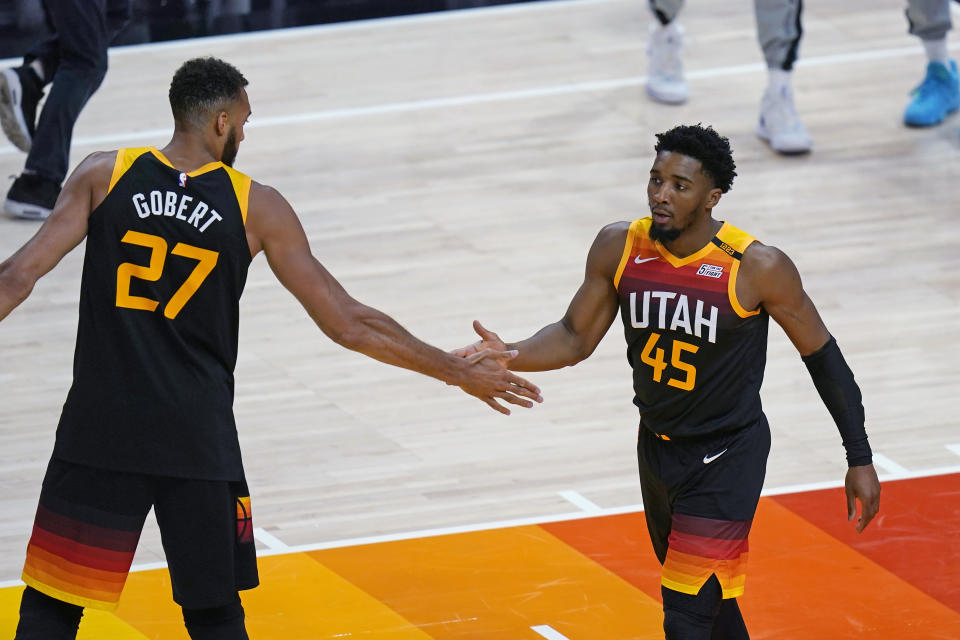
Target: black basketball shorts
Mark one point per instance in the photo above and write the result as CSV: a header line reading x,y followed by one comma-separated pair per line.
x,y
699,499
89,521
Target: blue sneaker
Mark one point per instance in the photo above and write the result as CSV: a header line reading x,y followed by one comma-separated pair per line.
x,y
937,95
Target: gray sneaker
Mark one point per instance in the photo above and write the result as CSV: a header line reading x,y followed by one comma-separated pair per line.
x,y
665,81
779,123
20,92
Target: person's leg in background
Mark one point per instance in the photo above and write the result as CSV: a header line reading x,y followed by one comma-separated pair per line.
x,y
939,93
75,62
21,89
665,81
779,31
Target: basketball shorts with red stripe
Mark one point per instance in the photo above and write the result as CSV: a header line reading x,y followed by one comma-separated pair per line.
x,y
699,499
89,521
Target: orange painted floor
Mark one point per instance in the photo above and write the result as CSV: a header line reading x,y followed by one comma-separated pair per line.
x,y
810,576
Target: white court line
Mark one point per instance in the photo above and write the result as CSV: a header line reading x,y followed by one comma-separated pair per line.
x,y
888,465
521,522
954,448
486,98
549,632
577,499
267,538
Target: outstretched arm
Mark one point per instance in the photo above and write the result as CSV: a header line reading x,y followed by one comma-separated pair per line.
x,y
63,230
591,312
272,226
773,280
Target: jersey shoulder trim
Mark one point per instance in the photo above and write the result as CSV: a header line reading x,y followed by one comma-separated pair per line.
x,y
241,186
734,242
636,227
125,159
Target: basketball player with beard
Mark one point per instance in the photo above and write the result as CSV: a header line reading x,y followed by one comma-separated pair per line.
x,y
149,418
695,295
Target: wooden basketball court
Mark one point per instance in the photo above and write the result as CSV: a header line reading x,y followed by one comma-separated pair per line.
x,y
457,166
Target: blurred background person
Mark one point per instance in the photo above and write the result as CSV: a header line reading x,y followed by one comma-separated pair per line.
x,y
779,31
939,93
74,62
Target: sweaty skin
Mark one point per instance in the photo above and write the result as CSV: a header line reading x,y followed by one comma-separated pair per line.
x,y
272,228
681,198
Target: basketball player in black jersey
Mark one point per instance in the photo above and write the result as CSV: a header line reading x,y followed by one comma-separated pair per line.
x,y
149,420
695,295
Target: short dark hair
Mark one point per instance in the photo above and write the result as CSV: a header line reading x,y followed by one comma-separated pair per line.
x,y
201,86
703,144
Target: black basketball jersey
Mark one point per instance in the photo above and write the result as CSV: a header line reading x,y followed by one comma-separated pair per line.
x,y
697,355
165,265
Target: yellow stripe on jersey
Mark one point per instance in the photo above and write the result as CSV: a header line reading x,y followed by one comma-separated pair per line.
x,y
738,240
627,250
241,182
693,257
162,158
241,186
125,158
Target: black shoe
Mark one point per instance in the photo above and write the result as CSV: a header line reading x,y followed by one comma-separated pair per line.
x,y
31,197
20,92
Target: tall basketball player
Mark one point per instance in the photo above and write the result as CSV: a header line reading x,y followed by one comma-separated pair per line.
x,y
149,418
695,295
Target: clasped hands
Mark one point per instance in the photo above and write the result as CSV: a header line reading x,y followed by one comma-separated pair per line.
x,y
489,376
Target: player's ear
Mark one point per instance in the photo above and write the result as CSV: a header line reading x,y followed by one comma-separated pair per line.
x,y
222,123
713,198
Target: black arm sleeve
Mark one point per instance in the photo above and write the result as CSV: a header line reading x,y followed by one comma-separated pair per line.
x,y
840,393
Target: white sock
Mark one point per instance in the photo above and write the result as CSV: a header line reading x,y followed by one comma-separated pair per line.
x,y
779,79
671,27
937,51
37,67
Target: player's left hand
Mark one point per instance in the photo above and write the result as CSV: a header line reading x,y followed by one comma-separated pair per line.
x,y
862,484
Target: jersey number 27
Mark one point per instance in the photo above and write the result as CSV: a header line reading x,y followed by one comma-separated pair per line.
x,y
206,261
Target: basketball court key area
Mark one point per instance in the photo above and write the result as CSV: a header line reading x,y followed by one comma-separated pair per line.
x,y
810,576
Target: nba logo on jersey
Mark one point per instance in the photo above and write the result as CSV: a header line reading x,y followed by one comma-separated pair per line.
x,y
183,179
709,270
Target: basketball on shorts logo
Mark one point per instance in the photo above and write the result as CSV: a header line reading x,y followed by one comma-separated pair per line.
x,y
244,520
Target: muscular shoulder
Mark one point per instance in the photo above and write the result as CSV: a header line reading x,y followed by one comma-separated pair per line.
x,y
615,233
269,215
91,178
763,260
98,166
263,197
607,249
767,272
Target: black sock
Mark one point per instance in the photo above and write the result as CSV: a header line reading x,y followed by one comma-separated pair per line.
x,y
216,623
46,618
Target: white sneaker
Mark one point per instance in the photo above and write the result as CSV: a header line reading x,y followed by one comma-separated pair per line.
x,y
780,124
665,81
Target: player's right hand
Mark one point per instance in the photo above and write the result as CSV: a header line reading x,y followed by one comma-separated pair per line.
x,y
488,379
488,341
